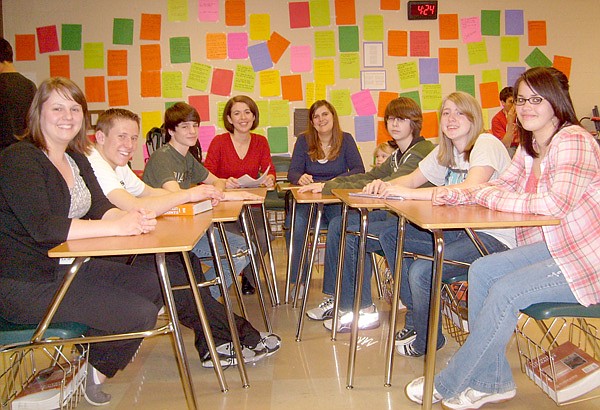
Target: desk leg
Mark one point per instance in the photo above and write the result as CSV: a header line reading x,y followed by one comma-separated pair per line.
x,y
261,258
313,253
235,338
236,284
253,257
303,256
340,270
177,337
360,271
395,299
270,252
434,317
288,275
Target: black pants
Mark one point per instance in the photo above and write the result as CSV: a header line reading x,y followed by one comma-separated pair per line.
x,y
106,296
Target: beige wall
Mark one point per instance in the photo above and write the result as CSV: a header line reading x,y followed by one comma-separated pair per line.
x,y
571,28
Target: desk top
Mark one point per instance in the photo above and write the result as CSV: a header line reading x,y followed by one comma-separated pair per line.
x,y
428,216
172,234
312,198
357,201
262,192
227,211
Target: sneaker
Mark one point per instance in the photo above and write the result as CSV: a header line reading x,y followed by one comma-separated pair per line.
x,y
300,295
93,389
405,336
323,311
414,391
270,342
227,355
408,349
368,319
473,399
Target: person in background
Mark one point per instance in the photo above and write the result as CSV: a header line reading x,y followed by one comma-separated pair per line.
x,y
16,94
239,152
465,157
403,119
504,123
322,153
117,132
383,152
555,172
62,201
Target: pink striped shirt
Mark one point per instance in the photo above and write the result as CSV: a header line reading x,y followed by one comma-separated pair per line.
x,y
569,189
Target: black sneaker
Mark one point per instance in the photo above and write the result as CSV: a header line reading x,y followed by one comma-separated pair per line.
x,y
93,391
227,355
405,336
247,288
408,349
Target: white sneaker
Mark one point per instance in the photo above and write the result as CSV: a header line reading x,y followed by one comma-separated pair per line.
x,y
227,355
323,311
269,342
474,399
368,319
414,391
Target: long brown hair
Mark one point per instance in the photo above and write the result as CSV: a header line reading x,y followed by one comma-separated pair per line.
x,y
69,90
315,151
553,86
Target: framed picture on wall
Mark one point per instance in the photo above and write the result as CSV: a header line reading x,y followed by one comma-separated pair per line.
x,y
373,80
372,54
93,117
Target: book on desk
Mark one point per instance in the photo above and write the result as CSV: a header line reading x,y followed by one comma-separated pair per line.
x,y
191,208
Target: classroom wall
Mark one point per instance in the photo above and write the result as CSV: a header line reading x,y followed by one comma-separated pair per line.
x,y
569,38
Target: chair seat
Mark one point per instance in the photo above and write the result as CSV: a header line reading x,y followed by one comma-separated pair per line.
x,y
459,278
13,333
546,310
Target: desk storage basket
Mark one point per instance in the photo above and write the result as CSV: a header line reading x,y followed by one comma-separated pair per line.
x,y
454,310
535,341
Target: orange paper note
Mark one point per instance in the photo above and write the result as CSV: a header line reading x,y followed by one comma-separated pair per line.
x,y
291,87
118,95
235,12
216,46
94,89
430,125
150,83
60,66
150,27
448,26
489,94
389,4
277,45
117,62
25,47
563,64
397,43
150,56
345,12
384,99
537,32
382,133
448,60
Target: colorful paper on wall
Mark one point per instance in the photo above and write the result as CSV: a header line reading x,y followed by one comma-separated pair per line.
x,y
25,47
470,28
263,109
349,65
150,119
348,39
488,76
509,49
310,94
260,27
216,46
537,33
477,53
299,14
279,113
221,109
465,83
277,44
490,22
199,76
177,10
382,133
260,58
47,39
324,43
432,96
429,71
221,82
300,59
538,59
208,10
448,60
206,133
172,84
300,121
319,13
364,128
278,139
373,27
60,65
340,99
419,44
512,73
489,94
363,103
93,55
384,99
397,43
514,24
150,84
324,71
270,83
345,12
150,27
94,89
201,104
563,64
413,95
237,45
409,74
431,126
150,57
116,61
123,31
291,87
244,78
180,50
235,12
448,26
118,94
71,37
389,4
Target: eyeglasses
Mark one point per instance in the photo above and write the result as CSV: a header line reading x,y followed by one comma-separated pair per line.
x,y
532,100
392,120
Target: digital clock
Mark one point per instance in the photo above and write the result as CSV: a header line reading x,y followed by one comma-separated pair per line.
x,y
422,10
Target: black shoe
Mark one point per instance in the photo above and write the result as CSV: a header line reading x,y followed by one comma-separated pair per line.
x,y
247,288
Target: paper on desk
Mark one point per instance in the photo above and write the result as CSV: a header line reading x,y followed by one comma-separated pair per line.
x,y
376,196
246,181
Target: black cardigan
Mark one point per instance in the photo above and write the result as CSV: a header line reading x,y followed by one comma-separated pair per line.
x,y
34,209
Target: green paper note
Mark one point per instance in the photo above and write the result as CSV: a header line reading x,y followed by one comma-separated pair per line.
x,y
71,37
466,83
538,59
413,95
340,99
278,139
279,113
199,76
179,49
348,38
123,31
490,22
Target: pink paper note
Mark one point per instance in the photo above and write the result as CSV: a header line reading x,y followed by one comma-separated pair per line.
x,y
363,103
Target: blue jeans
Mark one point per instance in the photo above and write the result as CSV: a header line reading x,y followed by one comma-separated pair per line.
x,y
301,229
499,286
377,221
236,243
415,283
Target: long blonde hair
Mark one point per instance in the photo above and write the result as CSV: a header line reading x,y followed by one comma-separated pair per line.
x,y
469,106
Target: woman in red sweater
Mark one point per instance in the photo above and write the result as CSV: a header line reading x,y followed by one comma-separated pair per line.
x,y
238,152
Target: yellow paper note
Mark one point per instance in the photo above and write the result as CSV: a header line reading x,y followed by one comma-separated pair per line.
x,y
340,99
177,10
324,71
319,13
279,113
325,44
244,78
310,94
409,74
509,49
270,83
477,52
373,27
93,55
489,76
263,109
431,96
349,65
260,26
151,119
172,83
199,76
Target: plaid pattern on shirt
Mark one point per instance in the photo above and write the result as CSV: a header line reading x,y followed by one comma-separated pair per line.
x,y
569,189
